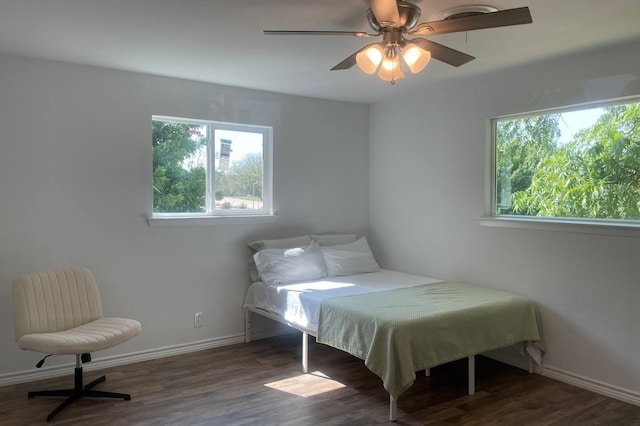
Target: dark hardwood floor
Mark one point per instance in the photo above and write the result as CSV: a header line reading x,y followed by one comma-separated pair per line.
x,y
261,384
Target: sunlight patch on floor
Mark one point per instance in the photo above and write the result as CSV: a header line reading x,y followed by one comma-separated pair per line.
x,y
306,385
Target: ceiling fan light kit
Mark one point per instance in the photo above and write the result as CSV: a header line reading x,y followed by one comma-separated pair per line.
x,y
390,69
396,19
386,59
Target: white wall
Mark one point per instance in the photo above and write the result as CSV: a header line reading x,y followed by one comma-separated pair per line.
x,y
75,188
427,175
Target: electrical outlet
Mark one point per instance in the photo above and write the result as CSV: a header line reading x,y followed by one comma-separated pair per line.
x,y
197,319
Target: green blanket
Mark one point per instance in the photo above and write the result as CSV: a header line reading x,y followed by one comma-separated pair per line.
x,y
399,332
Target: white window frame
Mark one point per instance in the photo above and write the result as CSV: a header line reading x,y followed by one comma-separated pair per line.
x,y
611,227
213,215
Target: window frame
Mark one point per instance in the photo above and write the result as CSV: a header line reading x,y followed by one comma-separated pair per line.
x,y
213,215
491,218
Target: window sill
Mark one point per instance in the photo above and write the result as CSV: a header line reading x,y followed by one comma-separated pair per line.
x,y
581,226
159,221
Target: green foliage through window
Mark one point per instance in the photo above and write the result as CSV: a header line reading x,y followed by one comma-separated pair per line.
x,y
194,159
178,187
593,173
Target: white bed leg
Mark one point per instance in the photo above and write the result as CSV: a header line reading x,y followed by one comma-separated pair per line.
x,y
305,351
427,372
472,374
393,408
247,326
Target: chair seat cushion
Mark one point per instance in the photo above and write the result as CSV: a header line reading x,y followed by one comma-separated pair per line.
x,y
90,337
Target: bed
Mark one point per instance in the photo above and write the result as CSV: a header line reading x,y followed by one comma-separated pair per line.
x,y
397,323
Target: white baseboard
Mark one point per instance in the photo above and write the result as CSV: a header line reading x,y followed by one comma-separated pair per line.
x,y
592,385
116,360
511,357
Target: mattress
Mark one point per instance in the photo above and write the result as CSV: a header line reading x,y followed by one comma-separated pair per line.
x,y
299,302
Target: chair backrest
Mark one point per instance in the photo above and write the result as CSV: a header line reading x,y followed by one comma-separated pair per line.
x,y
54,301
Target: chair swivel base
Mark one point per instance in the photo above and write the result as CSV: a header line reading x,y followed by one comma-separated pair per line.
x,y
78,392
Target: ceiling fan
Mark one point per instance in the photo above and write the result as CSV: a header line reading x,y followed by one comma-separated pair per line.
x,y
395,20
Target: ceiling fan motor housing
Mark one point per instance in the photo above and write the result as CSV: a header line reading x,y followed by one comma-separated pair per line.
x,y
409,17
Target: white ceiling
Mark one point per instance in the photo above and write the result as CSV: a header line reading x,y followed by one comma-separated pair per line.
x,y
221,41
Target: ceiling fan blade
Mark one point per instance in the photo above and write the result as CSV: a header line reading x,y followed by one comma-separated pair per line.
x,y
347,63
339,33
501,18
443,53
385,11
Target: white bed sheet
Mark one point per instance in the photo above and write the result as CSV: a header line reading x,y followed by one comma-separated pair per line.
x,y
299,303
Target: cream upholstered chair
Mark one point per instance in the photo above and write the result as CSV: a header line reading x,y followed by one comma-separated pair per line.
x,y
60,313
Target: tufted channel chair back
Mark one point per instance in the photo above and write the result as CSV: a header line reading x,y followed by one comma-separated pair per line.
x,y
53,301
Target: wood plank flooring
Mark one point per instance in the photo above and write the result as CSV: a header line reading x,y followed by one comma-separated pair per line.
x,y
261,383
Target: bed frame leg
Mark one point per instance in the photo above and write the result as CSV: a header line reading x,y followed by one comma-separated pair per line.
x,y
305,352
427,372
393,409
472,374
247,326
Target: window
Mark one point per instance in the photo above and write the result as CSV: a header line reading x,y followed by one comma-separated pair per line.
x,y
576,165
203,168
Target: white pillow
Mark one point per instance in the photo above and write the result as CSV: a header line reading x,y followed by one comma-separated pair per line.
x,y
280,243
349,259
280,266
303,240
333,239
